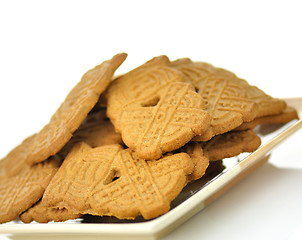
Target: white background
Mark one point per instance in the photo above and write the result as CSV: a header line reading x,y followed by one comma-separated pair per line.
x,y
46,46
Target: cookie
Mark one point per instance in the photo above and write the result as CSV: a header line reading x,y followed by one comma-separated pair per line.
x,y
285,116
227,102
15,160
42,214
140,86
73,110
267,105
230,144
96,131
205,78
20,192
109,180
200,161
155,110
222,146
194,71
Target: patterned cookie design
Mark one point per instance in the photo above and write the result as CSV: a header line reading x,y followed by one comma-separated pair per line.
x,y
20,192
42,214
194,71
155,111
267,105
174,121
73,110
140,86
200,73
225,101
111,181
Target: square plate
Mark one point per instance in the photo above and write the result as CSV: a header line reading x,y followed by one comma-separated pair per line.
x,y
194,197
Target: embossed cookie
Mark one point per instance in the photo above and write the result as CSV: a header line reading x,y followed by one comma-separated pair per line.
x,y
108,180
226,102
194,71
267,105
154,110
42,214
73,110
285,116
20,192
210,81
140,85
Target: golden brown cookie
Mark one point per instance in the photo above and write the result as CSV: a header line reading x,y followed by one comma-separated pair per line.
x,y
194,71
15,160
222,146
231,144
20,192
267,105
42,214
200,161
285,116
73,110
226,102
225,99
154,110
108,180
140,84
96,131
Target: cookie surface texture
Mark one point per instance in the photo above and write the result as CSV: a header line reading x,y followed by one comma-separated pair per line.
x,y
111,181
267,105
227,102
155,110
20,192
15,161
73,110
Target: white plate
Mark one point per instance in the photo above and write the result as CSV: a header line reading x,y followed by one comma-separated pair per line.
x,y
192,199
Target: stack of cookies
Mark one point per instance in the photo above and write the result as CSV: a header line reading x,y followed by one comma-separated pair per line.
x,y
127,147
